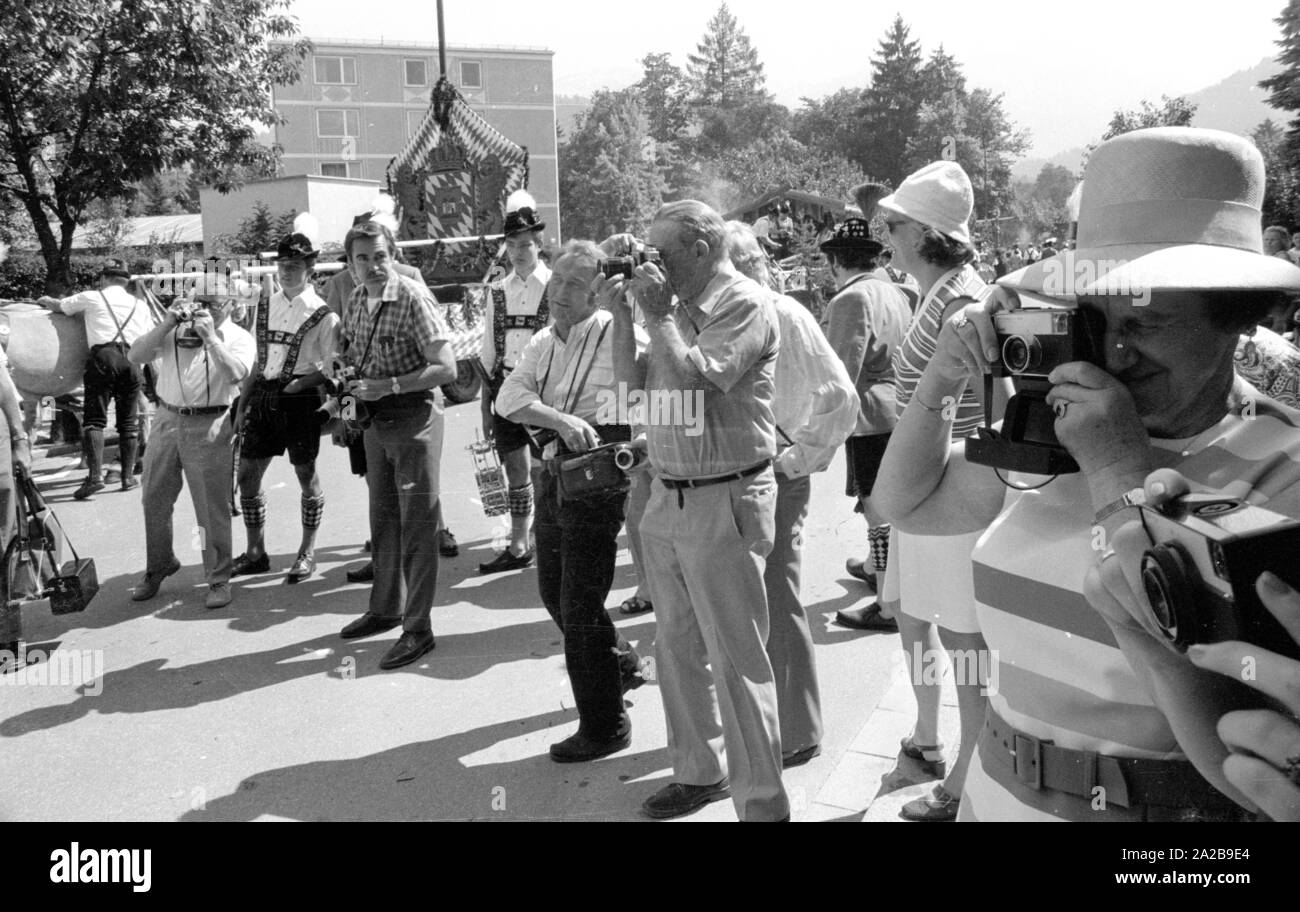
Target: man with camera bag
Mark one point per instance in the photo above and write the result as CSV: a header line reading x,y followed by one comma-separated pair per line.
x,y
200,357
395,345
279,405
516,309
564,374
115,318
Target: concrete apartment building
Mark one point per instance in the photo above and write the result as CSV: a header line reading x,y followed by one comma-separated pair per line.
x,y
358,103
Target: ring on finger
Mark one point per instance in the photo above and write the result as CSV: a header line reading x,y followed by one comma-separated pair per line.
x,y
962,322
1061,408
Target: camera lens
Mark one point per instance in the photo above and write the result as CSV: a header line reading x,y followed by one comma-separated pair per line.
x,y
1021,355
1167,575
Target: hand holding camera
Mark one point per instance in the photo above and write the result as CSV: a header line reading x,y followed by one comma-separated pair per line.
x,y
650,287
1212,577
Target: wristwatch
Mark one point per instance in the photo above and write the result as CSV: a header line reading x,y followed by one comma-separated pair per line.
x,y
397,387
1134,498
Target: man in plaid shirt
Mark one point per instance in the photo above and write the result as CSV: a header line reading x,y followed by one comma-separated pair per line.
x,y
394,338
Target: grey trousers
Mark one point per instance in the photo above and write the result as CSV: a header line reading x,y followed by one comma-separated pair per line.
x,y
403,448
789,641
638,496
196,450
705,556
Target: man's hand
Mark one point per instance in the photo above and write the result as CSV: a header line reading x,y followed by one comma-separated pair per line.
x,y
577,434
650,286
619,245
611,294
22,453
372,390
48,302
1265,744
204,327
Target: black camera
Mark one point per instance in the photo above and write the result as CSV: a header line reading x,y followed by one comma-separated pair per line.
x,y
1031,344
612,267
1200,575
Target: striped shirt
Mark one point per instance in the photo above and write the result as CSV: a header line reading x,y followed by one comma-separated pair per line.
x,y
921,342
1060,674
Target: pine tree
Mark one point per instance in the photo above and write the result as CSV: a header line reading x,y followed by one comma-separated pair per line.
x,y
725,70
663,91
1284,88
891,106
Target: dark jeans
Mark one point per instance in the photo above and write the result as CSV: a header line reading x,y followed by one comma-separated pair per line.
x,y
403,446
110,375
577,541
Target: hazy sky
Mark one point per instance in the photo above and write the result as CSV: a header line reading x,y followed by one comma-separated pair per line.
x,y
1064,68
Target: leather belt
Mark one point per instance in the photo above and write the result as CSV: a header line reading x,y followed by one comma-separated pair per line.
x,y
187,410
1128,781
677,484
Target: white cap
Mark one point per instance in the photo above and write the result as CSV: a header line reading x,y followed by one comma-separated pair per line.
x,y
939,195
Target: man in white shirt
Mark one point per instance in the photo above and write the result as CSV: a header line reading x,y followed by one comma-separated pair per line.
x,y
114,318
199,369
516,309
816,408
279,404
562,382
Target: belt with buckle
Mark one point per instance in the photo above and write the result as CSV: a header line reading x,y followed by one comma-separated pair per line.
x,y
678,484
187,410
1128,781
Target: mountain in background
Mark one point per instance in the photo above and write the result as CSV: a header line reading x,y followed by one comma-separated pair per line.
x,y
1236,104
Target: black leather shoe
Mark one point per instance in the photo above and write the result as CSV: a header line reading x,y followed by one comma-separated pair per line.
x,y
148,587
244,565
632,680
89,488
447,545
302,569
800,757
368,625
506,561
677,800
866,618
858,570
365,575
408,648
579,748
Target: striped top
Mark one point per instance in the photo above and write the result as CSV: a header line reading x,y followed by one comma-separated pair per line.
x,y
921,342
1059,673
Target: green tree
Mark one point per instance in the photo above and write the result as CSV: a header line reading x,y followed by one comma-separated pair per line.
x,y
725,70
1171,112
1281,190
610,179
891,107
1042,207
782,161
664,98
831,125
940,75
96,95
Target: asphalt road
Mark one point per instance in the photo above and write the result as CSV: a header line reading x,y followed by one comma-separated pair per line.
x,y
260,711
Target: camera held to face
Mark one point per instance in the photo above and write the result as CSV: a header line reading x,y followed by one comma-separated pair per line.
x,y
1200,575
1031,344
612,267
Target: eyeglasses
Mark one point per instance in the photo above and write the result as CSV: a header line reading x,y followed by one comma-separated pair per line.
x,y
894,224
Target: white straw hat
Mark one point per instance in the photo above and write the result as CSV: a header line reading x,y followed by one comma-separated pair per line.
x,y
939,195
1166,209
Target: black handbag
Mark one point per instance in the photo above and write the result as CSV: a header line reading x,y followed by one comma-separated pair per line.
x,y
33,561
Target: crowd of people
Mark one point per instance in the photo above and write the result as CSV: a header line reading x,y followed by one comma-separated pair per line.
x,y
1099,712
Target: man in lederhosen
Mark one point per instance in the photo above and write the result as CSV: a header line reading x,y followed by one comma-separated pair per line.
x,y
115,318
516,308
279,404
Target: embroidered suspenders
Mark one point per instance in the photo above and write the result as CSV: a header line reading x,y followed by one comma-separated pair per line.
x,y
267,337
501,321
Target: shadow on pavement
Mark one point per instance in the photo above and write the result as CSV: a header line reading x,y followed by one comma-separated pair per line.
x,y
153,685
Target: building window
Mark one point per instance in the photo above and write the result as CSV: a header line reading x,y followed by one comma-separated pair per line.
x,y
471,74
413,121
338,169
335,70
417,72
337,123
